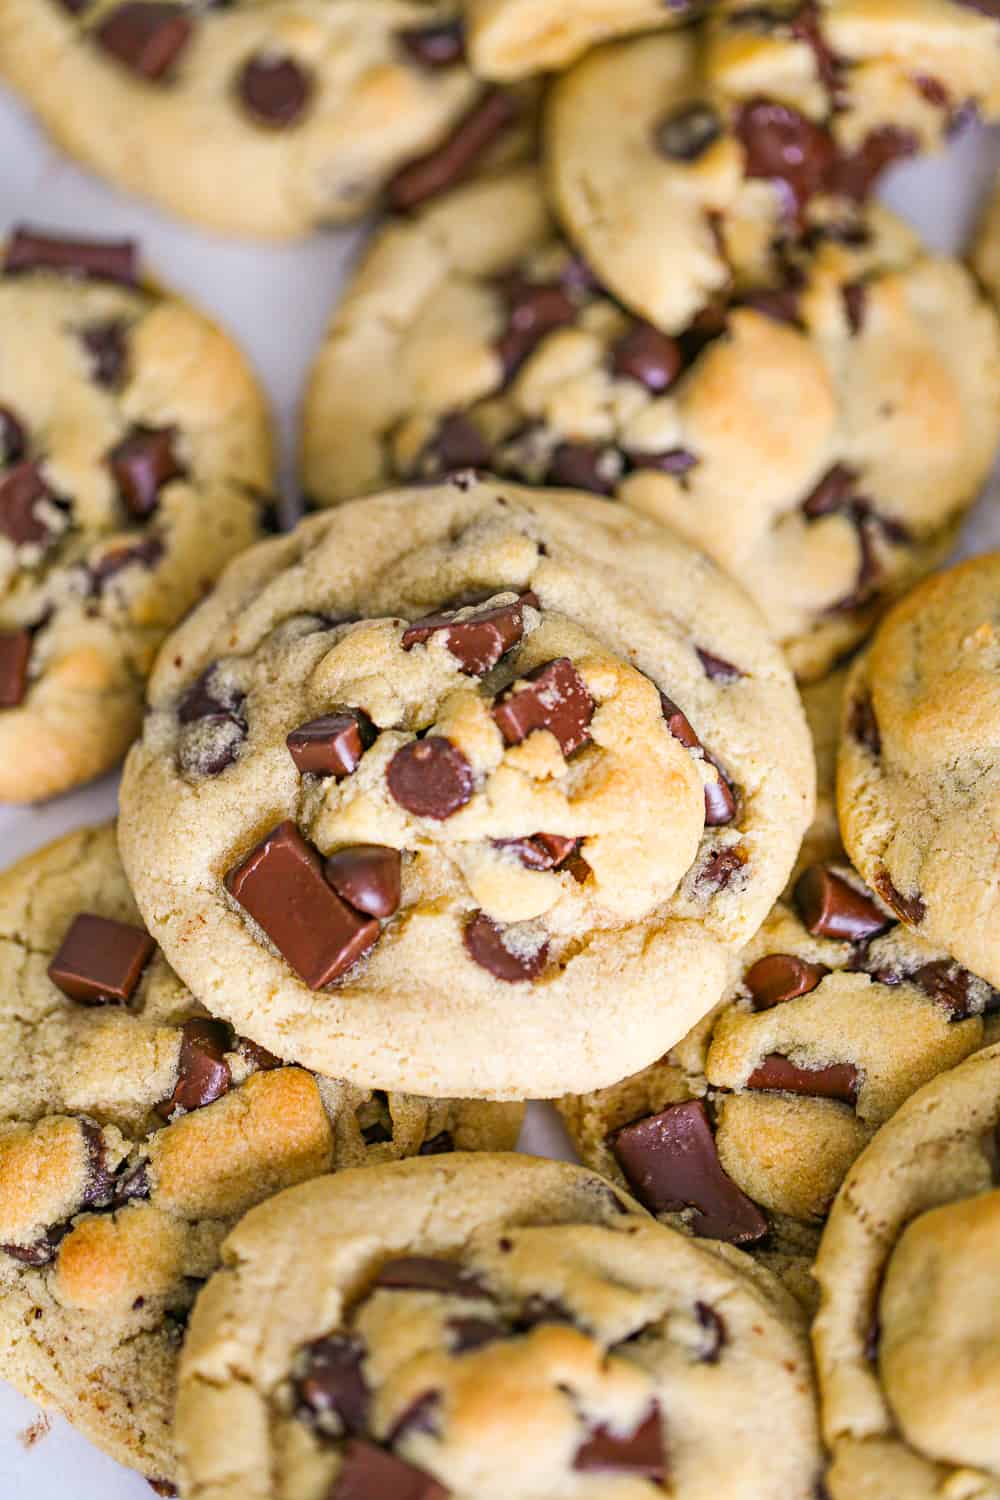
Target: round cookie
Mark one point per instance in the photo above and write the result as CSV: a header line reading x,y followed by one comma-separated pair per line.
x,y
134,1132
908,1331
745,1130
918,774
534,738
495,1328
135,460
263,117
515,38
677,160
820,434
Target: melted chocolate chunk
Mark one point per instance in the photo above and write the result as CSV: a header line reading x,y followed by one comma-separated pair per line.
x,y
133,1185
15,653
457,444
424,1273
141,464
830,907
949,984
776,1073
835,490
478,641
489,946
863,725
716,668
145,554
42,1252
785,147
13,437
439,45
275,90
333,744
780,977
676,461
687,133
593,467
91,260
715,1330
106,350
909,909
100,961
22,490
542,851
210,698
146,36
555,698
458,157
431,778
641,1452
855,298
368,876
370,1473
648,356
438,1145
202,1071
857,173
333,1381
534,309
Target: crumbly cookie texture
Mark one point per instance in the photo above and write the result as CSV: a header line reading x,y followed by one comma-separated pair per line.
x,y
745,1131
494,1328
820,432
917,771
134,1132
676,160
532,736
135,460
264,117
907,1335
515,38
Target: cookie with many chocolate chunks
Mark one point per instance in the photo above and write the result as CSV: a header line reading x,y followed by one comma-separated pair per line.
x,y
134,1132
135,460
821,448
495,1328
545,771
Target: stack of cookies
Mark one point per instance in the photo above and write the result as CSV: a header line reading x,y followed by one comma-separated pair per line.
x,y
603,735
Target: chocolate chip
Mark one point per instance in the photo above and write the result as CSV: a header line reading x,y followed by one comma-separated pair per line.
x,y
497,950
209,697
676,461
105,347
555,698
422,1415
457,158
863,725
785,147
439,45
534,309
281,885
721,805
100,961
425,1273
133,1185
100,1183
141,464
688,132
478,641
717,873
593,467
144,554
333,744
161,1486
641,1452
671,1163
92,260
42,1252
146,36
855,298
332,1381
857,172
457,444
431,778
715,1328
949,984
648,356
830,907
15,653
22,490
467,1334
780,977
257,1056
202,1071
13,437
909,909
367,876
542,851
370,1473
716,668
275,90
836,489
837,1081
438,1145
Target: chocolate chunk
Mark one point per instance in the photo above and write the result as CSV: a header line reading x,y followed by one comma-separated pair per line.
x,y
42,1252
536,1310
491,948
13,437
678,723
105,347
717,668
425,1273
478,641
787,148
949,984
909,909
422,1415
855,298
22,489
715,1329
780,977
257,1056
578,867
721,805
370,1473
863,725
367,876
836,489
467,1334
671,1163
281,885
100,961
133,1185
542,851
688,132
719,869
648,356
209,697
856,173
144,554
15,653
457,444
161,1486
274,90
142,463
146,36
438,1145
458,157
830,907
555,698
92,260
100,1183
676,461
439,45
431,778
202,1071
780,304
534,309
333,744
641,1452
837,1081
593,467
332,1381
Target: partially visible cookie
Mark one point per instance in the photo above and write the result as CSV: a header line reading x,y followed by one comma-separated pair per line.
x,y
515,38
134,1132
424,783
820,432
495,1328
919,770
907,1338
135,460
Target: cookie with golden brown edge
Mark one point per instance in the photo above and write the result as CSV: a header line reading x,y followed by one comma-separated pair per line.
x,y
424,783
493,1328
134,1132
135,460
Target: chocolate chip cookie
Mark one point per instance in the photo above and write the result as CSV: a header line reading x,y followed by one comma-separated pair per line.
x,y
134,1132
820,433
907,1336
265,117
745,1131
425,783
917,768
678,160
135,460
496,1328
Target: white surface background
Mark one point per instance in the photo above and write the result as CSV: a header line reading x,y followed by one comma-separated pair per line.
x,y
275,303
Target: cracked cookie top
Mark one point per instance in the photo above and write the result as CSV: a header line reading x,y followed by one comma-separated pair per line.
x,y
495,1329
422,781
